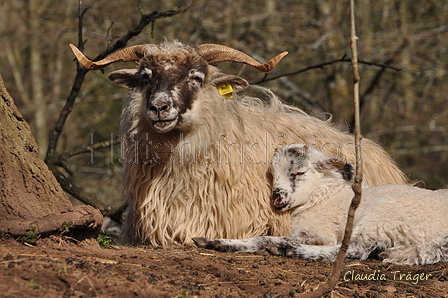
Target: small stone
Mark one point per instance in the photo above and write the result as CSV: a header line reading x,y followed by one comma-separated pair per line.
x,y
131,278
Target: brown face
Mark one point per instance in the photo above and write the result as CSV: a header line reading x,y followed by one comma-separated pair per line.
x,y
169,85
171,74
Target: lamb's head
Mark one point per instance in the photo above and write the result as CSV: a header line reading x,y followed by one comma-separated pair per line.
x,y
170,76
299,171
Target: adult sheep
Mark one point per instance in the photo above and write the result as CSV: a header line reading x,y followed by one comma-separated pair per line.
x,y
404,224
196,163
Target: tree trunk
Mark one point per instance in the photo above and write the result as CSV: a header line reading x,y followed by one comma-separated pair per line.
x,y
29,193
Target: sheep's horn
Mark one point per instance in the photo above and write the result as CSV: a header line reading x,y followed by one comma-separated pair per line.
x,y
133,53
214,53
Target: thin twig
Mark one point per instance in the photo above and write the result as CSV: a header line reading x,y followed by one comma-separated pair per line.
x,y
100,145
373,83
322,65
339,264
80,24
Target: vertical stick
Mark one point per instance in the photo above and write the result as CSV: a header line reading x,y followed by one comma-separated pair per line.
x,y
339,264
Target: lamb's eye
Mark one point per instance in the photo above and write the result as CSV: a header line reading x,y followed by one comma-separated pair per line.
x,y
297,174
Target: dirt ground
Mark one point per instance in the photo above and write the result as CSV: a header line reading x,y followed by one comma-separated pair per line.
x,y
57,267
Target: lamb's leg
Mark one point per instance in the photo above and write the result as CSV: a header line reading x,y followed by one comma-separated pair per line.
x,y
280,246
422,254
255,244
312,252
321,252
284,246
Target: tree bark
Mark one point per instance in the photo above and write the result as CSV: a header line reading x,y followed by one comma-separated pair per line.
x,y
29,193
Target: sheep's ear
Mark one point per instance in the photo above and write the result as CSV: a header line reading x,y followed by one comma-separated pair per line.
x,y
127,78
238,84
338,165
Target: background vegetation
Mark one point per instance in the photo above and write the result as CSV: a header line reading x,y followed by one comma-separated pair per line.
x,y
405,110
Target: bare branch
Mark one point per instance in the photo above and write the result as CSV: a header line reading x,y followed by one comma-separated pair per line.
x,y
145,20
117,214
78,192
322,65
80,24
100,145
51,159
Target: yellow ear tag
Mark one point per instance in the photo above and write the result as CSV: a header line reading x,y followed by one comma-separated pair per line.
x,y
225,89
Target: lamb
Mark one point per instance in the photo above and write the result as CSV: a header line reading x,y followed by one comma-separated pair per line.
x,y
195,153
404,224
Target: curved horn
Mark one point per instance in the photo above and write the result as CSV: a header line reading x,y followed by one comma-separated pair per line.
x,y
133,53
214,53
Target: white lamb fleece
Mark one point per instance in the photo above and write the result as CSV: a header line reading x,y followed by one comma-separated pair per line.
x,y
405,224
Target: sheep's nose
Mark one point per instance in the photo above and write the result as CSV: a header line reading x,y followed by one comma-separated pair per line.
x,y
160,106
158,109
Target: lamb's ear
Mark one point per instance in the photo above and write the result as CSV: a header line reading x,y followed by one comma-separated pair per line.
x,y
221,81
127,78
347,172
298,152
332,163
338,165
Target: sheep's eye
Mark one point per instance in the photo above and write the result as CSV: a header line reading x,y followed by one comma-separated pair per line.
x,y
146,75
198,79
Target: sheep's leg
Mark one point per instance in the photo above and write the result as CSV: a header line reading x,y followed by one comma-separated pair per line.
x,y
255,244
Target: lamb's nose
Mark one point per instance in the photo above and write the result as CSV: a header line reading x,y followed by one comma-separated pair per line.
x,y
275,194
277,199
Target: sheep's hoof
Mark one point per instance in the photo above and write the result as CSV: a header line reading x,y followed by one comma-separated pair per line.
x,y
202,242
217,244
276,250
284,250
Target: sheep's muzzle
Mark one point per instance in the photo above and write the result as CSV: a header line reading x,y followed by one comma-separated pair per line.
x,y
161,113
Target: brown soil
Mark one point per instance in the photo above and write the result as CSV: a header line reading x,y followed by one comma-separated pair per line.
x,y
57,267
